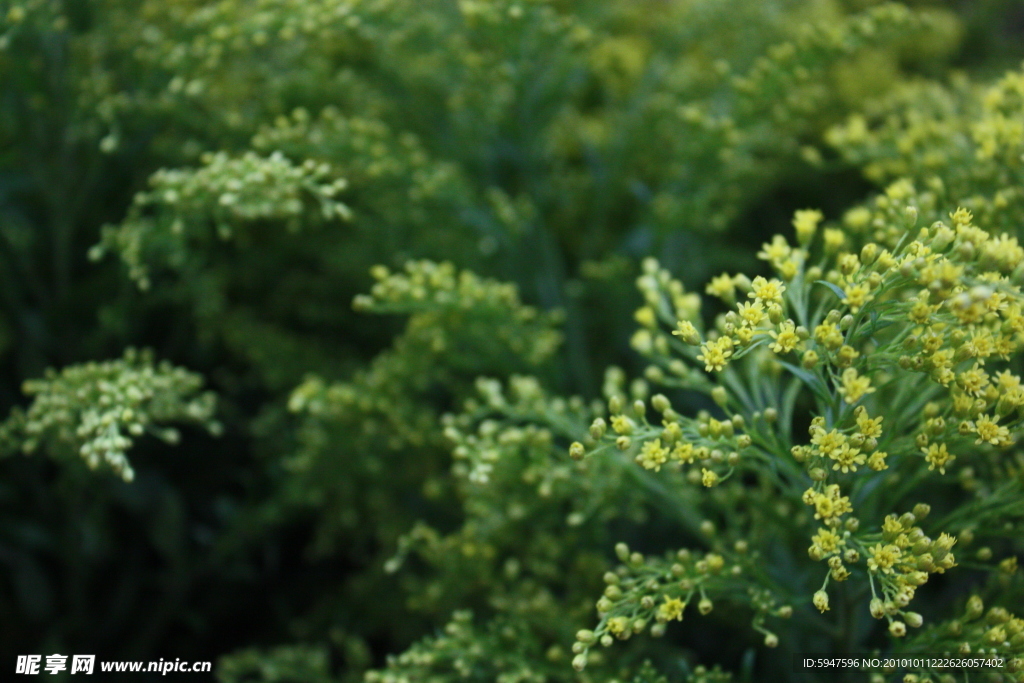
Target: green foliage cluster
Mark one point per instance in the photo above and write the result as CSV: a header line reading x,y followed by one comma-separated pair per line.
x,y
446,490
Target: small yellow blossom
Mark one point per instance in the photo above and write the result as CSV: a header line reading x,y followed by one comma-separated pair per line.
x,y
884,558
716,354
820,601
683,452
617,625
652,456
805,222
834,240
857,296
752,313
973,381
868,426
744,335
708,477
938,457
855,387
687,332
827,541
776,251
876,461
671,609
847,459
766,290
723,286
622,424
786,338
989,431
828,335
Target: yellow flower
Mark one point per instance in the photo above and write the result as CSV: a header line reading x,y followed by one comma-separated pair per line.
x,y
973,381
847,459
869,427
857,296
827,541
622,424
715,354
821,601
776,251
961,217
854,387
723,287
766,290
786,338
744,335
990,432
708,478
671,609
828,335
834,240
752,313
683,451
938,457
687,332
883,558
652,456
829,506
805,221
827,442
876,461
618,625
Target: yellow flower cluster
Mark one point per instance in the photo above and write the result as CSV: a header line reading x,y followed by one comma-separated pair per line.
x,y
893,339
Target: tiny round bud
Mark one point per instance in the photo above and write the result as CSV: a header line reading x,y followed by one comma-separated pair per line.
x,y
820,601
577,451
898,629
579,662
640,408
720,396
705,606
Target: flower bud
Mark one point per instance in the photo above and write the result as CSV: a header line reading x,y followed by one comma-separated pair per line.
x,y
719,395
975,607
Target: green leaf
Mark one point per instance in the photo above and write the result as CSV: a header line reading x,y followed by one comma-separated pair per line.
x,y
836,290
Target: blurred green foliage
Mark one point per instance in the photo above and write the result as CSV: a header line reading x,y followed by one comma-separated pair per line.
x,y
218,181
